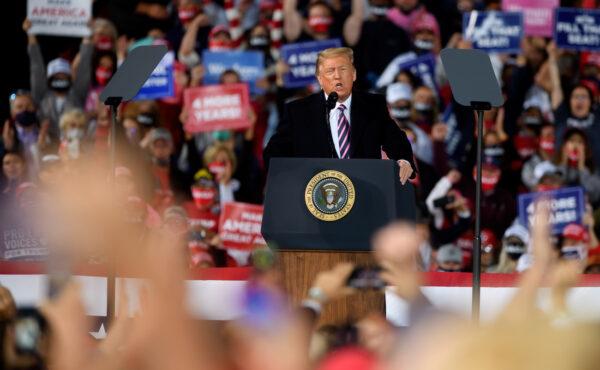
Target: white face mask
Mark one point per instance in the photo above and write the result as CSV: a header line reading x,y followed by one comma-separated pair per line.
x,y
400,113
574,252
423,44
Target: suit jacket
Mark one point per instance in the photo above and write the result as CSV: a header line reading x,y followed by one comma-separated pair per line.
x,y
304,132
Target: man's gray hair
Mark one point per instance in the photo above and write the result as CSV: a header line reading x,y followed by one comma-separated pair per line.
x,y
332,53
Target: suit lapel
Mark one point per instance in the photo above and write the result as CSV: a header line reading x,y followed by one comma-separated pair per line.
x,y
358,121
319,122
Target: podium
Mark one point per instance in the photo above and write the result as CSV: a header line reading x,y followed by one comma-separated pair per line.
x,y
319,212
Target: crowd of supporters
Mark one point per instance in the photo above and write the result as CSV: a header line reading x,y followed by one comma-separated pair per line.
x,y
541,139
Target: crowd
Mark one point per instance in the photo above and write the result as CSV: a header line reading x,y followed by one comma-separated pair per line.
x,y
271,334
155,215
541,139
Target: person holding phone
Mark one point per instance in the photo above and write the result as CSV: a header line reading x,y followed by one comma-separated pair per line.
x,y
449,208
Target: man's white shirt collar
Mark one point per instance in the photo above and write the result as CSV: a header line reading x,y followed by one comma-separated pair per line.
x,y
347,103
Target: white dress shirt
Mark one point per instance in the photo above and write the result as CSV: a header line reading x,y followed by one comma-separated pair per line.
x,y
334,115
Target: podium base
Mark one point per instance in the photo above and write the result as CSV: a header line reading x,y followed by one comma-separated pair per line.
x,y
299,268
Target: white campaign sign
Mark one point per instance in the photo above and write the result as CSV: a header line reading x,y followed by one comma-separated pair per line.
x,y
60,17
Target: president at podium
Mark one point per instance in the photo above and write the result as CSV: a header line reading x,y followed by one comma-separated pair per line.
x,y
339,122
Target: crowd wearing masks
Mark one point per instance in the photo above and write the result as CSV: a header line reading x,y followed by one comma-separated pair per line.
x,y
541,139
154,213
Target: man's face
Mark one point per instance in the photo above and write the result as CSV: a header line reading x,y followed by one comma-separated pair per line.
x,y
161,149
19,104
337,74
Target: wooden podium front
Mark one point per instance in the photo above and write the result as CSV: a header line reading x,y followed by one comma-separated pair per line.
x,y
299,269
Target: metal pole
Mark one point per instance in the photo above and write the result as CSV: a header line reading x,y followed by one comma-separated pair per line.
x,y
475,303
111,258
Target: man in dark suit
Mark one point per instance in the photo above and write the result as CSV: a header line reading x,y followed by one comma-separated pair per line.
x,y
359,125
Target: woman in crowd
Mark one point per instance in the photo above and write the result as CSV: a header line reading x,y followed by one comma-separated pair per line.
x,y
14,171
575,161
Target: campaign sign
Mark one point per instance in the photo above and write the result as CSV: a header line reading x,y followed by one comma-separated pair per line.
x,y
249,64
577,29
538,15
565,206
217,107
161,83
239,225
302,60
60,17
422,67
203,219
494,31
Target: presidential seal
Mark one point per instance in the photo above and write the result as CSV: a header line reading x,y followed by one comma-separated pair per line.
x,y
329,195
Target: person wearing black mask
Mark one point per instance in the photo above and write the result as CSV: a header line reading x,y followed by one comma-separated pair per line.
x,y
53,89
258,40
514,245
424,109
375,39
22,131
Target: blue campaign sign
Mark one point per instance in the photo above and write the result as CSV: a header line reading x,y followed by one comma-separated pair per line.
x,y
422,67
160,84
494,31
577,29
565,206
301,59
249,64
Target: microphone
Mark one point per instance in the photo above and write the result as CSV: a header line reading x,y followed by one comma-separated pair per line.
x,y
329,105
331,100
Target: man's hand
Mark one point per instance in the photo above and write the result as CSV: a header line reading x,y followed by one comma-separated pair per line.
x,y
406,170
396,248
332,284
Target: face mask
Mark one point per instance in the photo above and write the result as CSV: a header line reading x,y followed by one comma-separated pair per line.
x,y
26,118
401,113
547,145
425,111
203,197
221,135
493,154
526,145
60,84
573,156
320,24
379,11
75,134
217,168
532,120
489,182
187,14
259,41
103,75
104,43
422,107
581,123
146,119
216,45
161,162
543,187
424,45
514,251
574,252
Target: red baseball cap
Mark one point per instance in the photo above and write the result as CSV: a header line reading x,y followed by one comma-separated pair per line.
x,y
576,232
